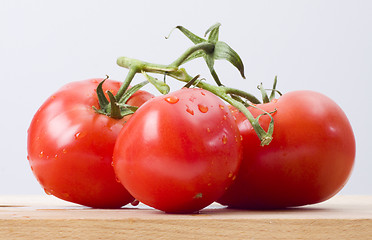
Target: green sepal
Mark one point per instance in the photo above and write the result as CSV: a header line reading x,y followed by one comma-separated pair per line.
x,y
272,95
161,86
223,51
194,38
102,100
274,90
213,33
265,98
115,109
131,91
209,59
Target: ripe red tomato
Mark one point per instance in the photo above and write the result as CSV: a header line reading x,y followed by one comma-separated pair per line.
x,y
70,146
179,152
308,161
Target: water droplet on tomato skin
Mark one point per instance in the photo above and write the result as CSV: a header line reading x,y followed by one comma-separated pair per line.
x,y
224,139
79,135
202,108
41,154
172,99
117,179
222,107
47,192
208,130
135,202
189,110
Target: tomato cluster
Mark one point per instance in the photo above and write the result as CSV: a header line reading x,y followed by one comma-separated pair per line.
x,y
104,144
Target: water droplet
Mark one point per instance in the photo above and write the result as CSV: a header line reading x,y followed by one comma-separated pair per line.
x,y
241,137
224,117
224,139
41,154
112,164
230,175
234,177
189,110
172,99
64,150
48,192
208,130
222,107
202,108
79,135
117,179
135,202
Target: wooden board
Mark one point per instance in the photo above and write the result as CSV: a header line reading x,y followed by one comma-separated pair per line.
x,y
46,217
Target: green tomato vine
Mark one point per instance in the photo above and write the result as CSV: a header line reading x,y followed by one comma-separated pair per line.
x,y
210,49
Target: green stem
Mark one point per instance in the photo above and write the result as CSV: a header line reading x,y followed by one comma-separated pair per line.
x,y
123,88
139,66
243,94
205,46
172,70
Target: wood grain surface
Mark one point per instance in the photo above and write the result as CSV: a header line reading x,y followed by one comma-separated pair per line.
x,y
46,217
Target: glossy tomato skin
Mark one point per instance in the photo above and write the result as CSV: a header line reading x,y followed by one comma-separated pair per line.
x,y
70,146
179,152
308,161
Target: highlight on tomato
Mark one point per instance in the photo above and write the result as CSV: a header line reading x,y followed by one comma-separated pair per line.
x,y
179,152
70,144
308,161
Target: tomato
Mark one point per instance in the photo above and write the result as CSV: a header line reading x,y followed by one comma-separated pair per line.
x,y
308,161
179,152
70,146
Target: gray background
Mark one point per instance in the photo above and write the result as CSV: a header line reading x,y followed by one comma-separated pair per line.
x,y
319,45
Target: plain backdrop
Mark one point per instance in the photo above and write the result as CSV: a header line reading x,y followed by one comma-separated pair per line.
x,y
319,45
